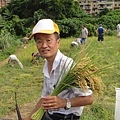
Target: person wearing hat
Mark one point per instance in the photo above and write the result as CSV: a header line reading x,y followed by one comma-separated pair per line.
x,y
100,33
68,105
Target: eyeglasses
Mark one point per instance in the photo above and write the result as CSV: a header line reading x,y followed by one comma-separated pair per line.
x,y
47,42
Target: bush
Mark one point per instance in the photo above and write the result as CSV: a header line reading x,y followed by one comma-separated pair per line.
x,y
8,44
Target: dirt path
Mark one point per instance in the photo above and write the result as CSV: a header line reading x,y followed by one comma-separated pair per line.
x,y
24,110
5,61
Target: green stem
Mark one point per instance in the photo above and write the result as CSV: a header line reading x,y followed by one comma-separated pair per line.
x,y
38,114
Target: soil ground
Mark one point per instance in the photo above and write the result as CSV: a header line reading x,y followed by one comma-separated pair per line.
x,y
24,110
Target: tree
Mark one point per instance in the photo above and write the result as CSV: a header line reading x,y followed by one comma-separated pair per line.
x,y
24,8
103,12
56,9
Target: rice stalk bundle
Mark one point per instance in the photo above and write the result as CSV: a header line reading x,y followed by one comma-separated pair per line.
x,y
86,76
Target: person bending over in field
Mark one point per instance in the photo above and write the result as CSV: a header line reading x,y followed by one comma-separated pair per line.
x,y
76,42
13,59
35,58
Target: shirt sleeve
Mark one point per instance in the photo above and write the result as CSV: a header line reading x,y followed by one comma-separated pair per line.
x,y
74,92
80,92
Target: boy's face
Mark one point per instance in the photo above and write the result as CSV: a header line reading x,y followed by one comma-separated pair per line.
x,y
47,45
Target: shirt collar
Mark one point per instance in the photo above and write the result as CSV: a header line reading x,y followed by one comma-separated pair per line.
x,y
55,63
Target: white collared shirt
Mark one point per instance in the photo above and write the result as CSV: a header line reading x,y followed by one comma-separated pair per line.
x,y
50,81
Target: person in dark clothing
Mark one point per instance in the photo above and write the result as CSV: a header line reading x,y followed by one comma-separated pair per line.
x,y
100,33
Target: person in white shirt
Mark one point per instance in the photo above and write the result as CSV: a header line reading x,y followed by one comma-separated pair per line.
x,y
118,30
76,43
13,59
84,35
68,105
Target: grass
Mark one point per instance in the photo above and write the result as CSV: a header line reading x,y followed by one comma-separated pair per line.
x,y
28,82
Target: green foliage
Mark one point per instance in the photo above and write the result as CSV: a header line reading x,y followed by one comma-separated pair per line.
x,y
106,110
19,17
73,27
111,32
8,44
103,12
91,29
69,27
61,9
110,20
57,10
2,22
39,14
18,25
28,6
7,15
